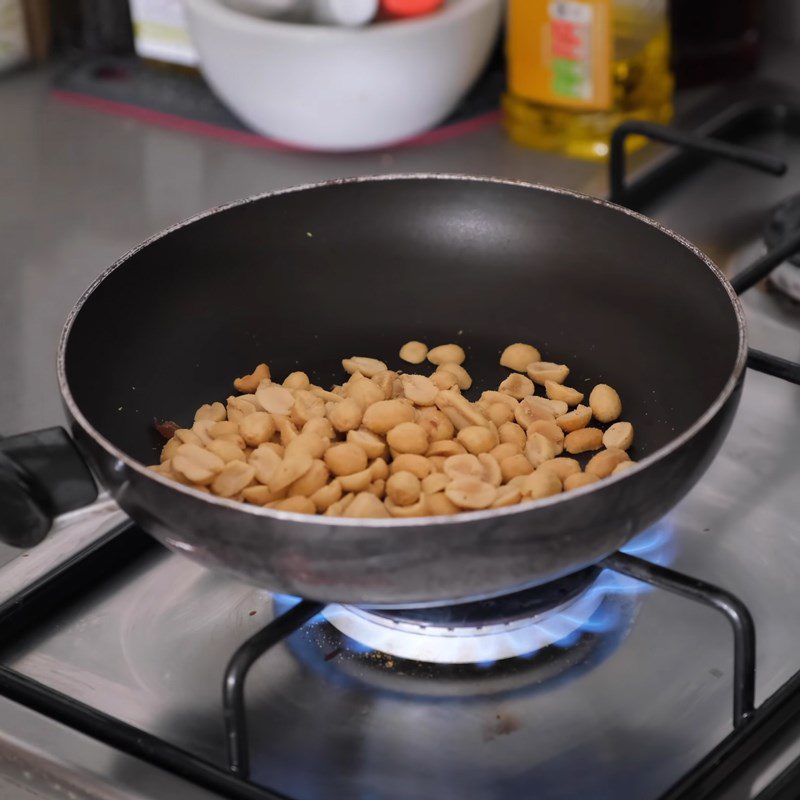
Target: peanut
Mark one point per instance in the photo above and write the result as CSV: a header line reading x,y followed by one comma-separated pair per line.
x,y
583,439
491,469
443,380
366,366
418,509
435,482
249,383
307,406
463,378
414,352
518,356
297,504
384,415
345,459
435,424
465,465
260,495
187,436
471,493
233,478
555,391
289,470
440,505
265,461
489,397
605,403
579,417
511,466
274,398
447,354
316,477
308,443
619,435
409,462
365,505
623,466
369,442
548,429
540,484
296,380
213,411
516,385
512,432
321,426
196,464
446,447
507,496
408,437
356,481
477,439
379,469
346,416
563,467
365,392
539,449
403,488
419,389
528,413
603,464
505,450
227,451
257,428
541,371
499,414
385,381
579,479
378,488
326,496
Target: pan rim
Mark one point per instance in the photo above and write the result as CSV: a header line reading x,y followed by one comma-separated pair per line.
x,y
326,523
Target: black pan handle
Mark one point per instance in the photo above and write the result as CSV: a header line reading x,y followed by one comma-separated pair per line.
x,y
42,475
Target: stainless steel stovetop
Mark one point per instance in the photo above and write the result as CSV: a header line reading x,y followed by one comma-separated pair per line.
x,y
626,715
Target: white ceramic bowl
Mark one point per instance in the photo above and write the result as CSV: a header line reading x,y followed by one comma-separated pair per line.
x,y
331,88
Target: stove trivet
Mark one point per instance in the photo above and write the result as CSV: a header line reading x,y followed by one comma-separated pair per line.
x,y
781,231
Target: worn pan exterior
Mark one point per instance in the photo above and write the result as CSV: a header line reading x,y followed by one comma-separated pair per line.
x,y
418,561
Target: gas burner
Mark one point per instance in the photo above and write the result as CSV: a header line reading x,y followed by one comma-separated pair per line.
x,y
481,632
784,221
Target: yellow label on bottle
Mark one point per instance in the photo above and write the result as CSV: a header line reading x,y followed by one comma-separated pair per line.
x,y
560,51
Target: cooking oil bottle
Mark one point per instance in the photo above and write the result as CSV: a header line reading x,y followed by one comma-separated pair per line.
x,y
577,68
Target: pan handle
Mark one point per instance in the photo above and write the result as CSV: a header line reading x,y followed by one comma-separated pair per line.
x,y
42,475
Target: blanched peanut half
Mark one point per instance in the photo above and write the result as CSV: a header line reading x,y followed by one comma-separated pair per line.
x,y
227,451
440,505
555,391
221,429
463,378
469,412
403,488
604,462
463,465
548,429
409,462
489,397
346,416
378,488
316,477
298,504
491,469
378,469
325,396
296,380
321,426
289,470
257,428
265,461
309,443
563,467
366,366
511,466
232,478
619,435
196,464
435,482
579,479
345,458
444,380
516,385
517,356
507,496
579,417
356,481
477,439
471,493
446,448
385,380
436,424
583,440
505,450
213,411
499,414
447,354
384,415
249,383
326,496
338,508
365,505
555,407
274,398
437,463
539,449
369,442
528,412
364,391
414,352
605,403
260,495
187,436
541,371
539,484
512,432
408,437
418,509
419,389
307,406
623,466
169,449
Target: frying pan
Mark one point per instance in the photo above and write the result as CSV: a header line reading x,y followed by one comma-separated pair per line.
x,y
304,277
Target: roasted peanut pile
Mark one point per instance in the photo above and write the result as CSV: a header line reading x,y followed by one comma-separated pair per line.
x,y
387,443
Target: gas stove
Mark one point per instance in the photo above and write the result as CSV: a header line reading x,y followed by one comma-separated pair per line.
x,y
670,670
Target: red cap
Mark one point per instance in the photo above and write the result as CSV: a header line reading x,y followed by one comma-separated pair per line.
x,y
409,8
